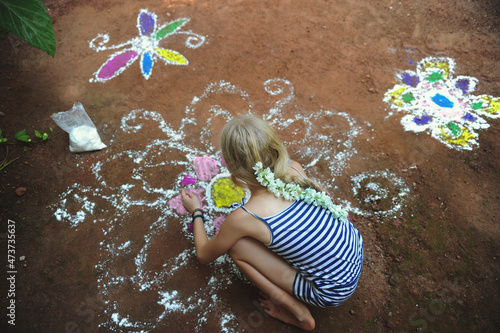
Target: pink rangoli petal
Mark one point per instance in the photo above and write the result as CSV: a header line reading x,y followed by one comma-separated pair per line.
x,y
116,64
206,168
176,202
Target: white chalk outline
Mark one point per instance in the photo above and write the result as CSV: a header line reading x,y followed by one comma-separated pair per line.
x,y
120,199
377,192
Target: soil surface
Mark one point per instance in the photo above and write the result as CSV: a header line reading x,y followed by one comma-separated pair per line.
x,y
103,246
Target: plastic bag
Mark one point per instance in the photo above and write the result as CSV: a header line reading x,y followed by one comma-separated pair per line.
x,y
83,134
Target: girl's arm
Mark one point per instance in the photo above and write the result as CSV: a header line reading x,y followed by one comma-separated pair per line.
x,y
207,250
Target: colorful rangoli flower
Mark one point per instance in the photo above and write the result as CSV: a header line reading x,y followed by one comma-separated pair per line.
x,y
145,47
442,105
213,186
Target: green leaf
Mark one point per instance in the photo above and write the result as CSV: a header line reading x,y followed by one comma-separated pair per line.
x,y
2,140
38,134
22,136
0,132
45,136
51,130
29,20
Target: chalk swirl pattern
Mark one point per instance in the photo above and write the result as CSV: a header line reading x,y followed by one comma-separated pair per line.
x,y
379,193
125,188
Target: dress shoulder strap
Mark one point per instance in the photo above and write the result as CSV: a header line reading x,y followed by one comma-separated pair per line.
x,y
296,169
242,205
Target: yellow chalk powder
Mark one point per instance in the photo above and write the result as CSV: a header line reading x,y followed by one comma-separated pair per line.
x,y
225,193
443,65
493,104
172,56
461,140
396,96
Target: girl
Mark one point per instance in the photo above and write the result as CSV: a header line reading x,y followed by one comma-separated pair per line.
x,y
289,239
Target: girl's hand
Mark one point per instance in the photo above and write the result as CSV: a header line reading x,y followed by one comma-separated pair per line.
x,y
190,201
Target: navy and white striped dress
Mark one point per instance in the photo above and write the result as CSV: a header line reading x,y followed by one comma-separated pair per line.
x,y
327,253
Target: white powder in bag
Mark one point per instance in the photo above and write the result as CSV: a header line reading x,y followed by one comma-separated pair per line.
x,y
84,138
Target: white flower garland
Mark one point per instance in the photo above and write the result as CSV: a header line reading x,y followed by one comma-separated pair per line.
x,y
293,192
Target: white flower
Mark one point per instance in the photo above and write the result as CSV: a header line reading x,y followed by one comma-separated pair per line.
x,y
295,192
257,167
272,188
280,184
269,176
287,196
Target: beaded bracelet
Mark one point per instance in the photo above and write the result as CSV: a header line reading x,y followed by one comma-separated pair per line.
x,y
191,225
197,210
199,215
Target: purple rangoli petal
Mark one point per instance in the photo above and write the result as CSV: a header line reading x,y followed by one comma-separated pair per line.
x,y
146,23
116,64
222,160
188,180
411,80
463,84
422,120
470,117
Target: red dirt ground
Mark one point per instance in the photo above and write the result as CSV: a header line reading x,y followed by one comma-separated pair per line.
x,y
433,269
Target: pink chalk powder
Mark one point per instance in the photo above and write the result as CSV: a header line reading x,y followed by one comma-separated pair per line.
x,y
206,168
188,180
176,202
222,160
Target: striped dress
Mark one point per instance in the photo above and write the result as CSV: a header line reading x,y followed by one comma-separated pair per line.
x,y
327,253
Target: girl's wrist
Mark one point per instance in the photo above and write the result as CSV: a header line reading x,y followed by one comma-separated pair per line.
x,y
197,214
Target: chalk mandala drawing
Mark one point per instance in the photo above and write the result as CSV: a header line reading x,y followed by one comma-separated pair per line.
x,y
145,47
126,188
441,104
380,193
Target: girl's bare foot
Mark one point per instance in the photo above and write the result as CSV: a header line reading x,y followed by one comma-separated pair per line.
x,y
280,312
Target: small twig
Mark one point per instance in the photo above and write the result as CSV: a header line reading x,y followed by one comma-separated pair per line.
x,y
381,252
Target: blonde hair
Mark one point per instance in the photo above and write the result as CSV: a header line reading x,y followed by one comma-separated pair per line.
x,y
246,140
